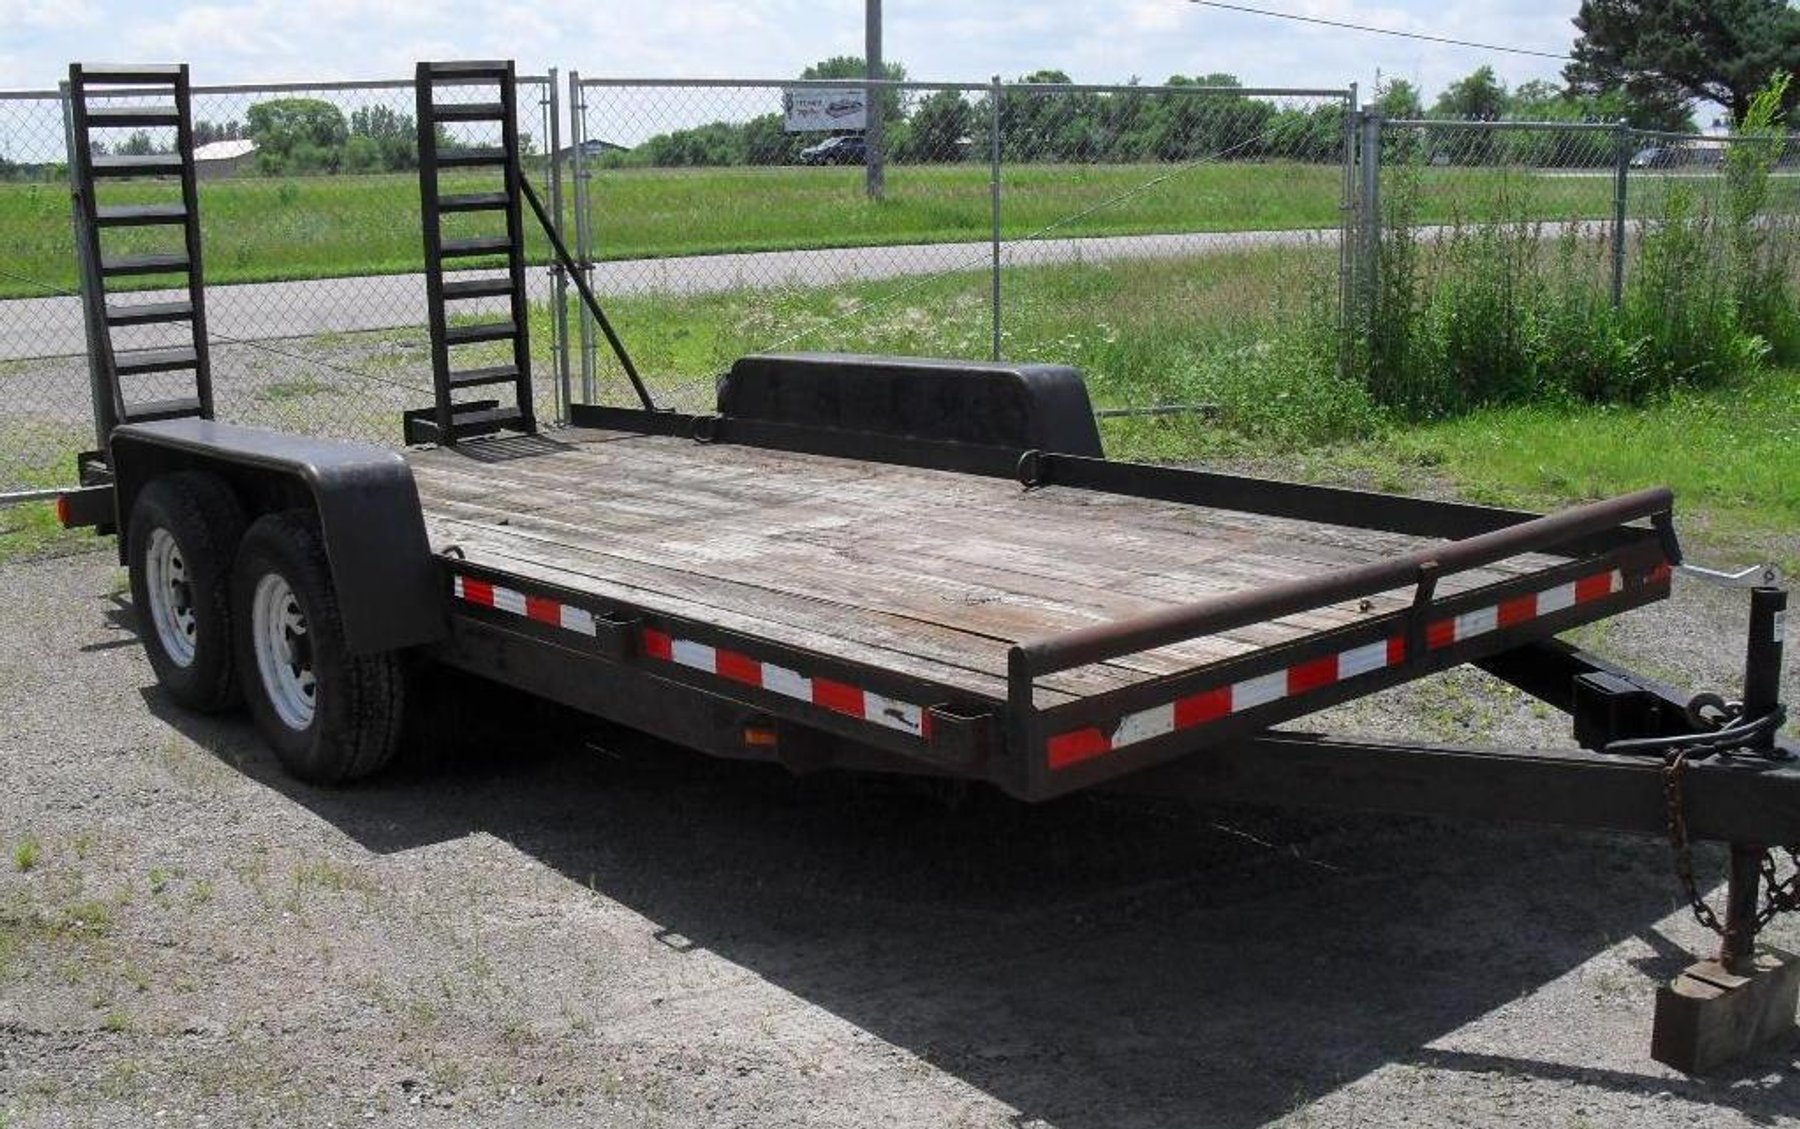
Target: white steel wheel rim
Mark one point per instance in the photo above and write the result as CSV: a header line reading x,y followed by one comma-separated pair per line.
x,y
283,651
171,596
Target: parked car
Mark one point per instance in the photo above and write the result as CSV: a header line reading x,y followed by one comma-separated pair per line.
x,y
1696,155
1707,156
835,151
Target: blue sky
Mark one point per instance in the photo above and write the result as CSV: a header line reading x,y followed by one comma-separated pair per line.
x,y
232,41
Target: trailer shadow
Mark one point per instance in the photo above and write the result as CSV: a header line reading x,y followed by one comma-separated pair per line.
x,y
1096,962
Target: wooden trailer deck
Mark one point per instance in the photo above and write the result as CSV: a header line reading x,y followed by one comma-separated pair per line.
x,y
931,574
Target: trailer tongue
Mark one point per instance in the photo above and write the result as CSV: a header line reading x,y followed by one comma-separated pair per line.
x,y
922,566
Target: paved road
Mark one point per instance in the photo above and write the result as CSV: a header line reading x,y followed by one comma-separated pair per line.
x,y
49,327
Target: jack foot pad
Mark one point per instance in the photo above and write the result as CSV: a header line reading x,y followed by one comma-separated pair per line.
x,y
1708,1016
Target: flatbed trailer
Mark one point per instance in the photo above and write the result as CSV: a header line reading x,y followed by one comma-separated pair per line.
x,y
968,623
924,566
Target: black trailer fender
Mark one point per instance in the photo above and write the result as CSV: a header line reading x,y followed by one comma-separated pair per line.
x,y
388,585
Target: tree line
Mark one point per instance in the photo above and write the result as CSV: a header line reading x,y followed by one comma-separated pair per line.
x,y
1125,125
1171,124
1647,63
309,136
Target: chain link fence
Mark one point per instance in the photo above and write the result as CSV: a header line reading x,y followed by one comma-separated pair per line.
x,y
309,209
1111,227
1048,222
1139,233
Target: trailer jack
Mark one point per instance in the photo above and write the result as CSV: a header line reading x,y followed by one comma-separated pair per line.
x,y
1719,1009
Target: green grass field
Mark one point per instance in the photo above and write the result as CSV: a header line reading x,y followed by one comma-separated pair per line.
x,y
328,227
1141,330
1732,455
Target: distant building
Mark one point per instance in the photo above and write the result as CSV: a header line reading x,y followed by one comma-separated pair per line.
x,y
225,158
590,149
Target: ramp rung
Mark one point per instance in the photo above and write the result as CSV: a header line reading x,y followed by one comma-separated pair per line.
x,y
149,313
473,202
134,74
480,245
151,410
486,331
478,288
464,158
134,117
139,215
468,112
471,420
156,262
485,421
478,377
150,164
137,361
469,68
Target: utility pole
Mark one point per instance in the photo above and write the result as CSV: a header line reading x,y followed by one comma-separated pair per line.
x,y
873,97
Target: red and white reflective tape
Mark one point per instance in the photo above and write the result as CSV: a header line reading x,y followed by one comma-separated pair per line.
x,y
826,693
542,609
1520,609
1078,745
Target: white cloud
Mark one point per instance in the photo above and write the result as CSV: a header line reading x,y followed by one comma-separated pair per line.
x,y
47,15
246,40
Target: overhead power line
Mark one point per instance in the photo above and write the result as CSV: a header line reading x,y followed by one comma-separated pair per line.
x,y
1378,30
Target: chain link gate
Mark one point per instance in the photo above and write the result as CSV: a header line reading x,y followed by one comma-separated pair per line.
x,y
44,413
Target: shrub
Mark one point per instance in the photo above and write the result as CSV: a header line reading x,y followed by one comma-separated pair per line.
x,y
1501,308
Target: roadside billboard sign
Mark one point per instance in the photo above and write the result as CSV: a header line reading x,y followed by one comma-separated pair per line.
x,y
811,110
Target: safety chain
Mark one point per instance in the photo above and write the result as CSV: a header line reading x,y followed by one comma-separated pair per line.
x,y
1782,897
1674,767
1778,896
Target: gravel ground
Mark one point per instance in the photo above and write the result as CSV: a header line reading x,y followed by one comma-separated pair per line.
x,y
593,930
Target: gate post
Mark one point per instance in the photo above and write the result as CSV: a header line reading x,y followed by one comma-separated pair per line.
x,y
1621,185
1369,210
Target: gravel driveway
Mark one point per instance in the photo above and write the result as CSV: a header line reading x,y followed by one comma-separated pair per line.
x,y
589,929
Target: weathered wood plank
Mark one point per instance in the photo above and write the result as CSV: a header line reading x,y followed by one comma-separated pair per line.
x,y
933,572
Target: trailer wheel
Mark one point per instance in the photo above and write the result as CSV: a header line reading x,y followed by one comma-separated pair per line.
x,y
332,717
180,538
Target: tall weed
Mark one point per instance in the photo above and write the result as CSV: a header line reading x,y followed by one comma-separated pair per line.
x,y
1761,238
1499,306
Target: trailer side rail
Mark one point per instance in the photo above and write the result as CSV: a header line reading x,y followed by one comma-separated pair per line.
x,y
1075,745
1107,735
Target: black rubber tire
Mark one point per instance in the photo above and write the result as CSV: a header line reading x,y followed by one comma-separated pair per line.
x,y
206,520
358,700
